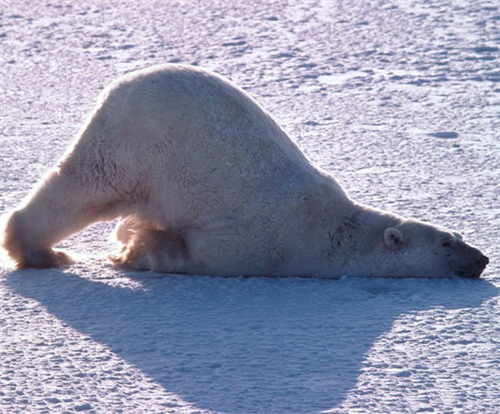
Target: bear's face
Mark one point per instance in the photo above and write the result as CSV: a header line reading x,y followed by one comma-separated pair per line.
x,y
417,249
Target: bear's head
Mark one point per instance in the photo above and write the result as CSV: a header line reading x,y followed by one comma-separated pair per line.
x,y
417,249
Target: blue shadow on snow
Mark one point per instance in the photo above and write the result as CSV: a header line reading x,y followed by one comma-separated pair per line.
x,y
244,345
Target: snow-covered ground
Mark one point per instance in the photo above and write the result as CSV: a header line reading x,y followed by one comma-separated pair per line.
x,y
399,99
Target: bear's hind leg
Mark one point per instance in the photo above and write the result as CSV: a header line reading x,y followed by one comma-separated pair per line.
x,y
156,250
60,207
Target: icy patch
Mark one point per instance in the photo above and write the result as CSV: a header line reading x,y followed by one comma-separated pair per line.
x,y
485,49
374,170
444,135
341,78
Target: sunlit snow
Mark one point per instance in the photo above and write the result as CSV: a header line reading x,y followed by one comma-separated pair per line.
x,y
399,99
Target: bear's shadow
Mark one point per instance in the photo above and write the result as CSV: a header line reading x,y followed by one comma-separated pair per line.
x,y
244,345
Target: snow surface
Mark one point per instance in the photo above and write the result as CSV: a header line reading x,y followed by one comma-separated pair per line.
x,y
399,99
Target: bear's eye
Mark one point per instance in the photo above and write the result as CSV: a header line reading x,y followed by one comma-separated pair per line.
x,y
446,244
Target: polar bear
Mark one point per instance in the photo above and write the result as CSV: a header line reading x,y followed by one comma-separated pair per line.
x,y
206,182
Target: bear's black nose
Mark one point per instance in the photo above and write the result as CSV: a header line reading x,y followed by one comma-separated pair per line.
x,y
482,262
474,269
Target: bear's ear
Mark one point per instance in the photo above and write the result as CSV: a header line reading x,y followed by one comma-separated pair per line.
x,y
393,238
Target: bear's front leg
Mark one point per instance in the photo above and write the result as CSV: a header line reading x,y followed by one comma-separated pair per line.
x,y
126,227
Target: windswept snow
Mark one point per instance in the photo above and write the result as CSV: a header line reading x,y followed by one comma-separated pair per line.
x,y
399,99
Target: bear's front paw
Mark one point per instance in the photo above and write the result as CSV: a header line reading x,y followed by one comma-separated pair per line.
x,y
131,258
44,259
155,250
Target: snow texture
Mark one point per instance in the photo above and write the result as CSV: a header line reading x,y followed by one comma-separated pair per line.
x,y
399,99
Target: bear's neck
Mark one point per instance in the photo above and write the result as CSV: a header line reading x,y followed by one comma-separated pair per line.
x,y
355,231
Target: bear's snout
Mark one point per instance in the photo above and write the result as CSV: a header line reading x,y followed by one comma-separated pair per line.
x,y
481,263
474,269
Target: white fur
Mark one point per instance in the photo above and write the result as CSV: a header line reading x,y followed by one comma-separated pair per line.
x,y
207,182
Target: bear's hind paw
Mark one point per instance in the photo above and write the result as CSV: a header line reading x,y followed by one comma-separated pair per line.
x,y
44,259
